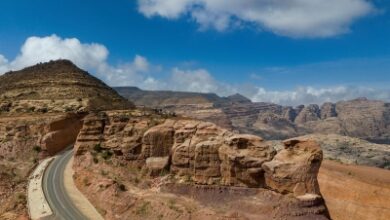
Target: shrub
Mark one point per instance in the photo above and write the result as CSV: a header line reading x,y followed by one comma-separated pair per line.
x,y
106,154
122,187
68,109
98,148
143,209
37,149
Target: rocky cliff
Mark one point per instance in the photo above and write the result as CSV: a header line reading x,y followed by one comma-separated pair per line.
x,y
24,140
362,118
128,155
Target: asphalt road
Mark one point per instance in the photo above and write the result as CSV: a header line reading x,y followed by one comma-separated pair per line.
x,y
54,189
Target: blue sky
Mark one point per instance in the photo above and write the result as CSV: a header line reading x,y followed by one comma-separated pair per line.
x,y
213,47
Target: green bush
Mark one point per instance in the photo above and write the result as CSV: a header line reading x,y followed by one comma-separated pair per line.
x,y
106,155
98,148
37,149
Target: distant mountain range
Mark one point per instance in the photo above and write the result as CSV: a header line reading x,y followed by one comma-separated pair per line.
x,y
363,118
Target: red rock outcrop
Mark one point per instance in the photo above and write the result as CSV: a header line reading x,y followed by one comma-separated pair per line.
x,y
24,140
294,169
194,153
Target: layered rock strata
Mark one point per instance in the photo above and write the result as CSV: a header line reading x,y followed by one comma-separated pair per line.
x,y
194,153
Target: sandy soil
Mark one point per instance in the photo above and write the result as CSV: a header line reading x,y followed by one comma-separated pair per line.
x,y
355,192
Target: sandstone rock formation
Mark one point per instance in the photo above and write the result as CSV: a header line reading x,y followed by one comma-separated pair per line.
x,y
24,140
194,153
309,113
328,110
348,150
295,168
359,118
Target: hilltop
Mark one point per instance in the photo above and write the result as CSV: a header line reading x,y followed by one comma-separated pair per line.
x,y
56,86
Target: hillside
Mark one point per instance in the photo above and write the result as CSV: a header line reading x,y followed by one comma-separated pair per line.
x,y
56,86
159,98
362,118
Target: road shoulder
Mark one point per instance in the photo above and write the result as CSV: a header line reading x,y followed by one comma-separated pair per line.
x,y
38,206
81,202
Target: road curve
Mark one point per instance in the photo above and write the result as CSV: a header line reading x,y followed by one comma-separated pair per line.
x,y
54,189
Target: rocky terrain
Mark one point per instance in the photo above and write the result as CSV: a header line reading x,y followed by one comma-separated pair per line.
x,y
348,150
41,108
142,163
24,140
361,118
56,86
133,165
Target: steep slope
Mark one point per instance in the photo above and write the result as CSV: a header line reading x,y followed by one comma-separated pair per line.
x,y
162,98
56,86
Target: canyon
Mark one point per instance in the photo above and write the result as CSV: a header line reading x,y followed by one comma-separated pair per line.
x,y
360,118
175,155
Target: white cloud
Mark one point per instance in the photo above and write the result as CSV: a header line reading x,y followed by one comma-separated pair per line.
x,y
90,56
3,64
312,95
141,73
43,49
294,18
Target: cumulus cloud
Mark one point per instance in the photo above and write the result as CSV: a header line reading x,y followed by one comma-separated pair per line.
x,y
42,49
193,80
143,74
90,56
294,18
312,95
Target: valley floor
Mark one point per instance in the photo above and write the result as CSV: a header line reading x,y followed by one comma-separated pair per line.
x,y
355,192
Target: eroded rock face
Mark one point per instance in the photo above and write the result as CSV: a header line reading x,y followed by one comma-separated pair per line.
x,y
294,169
361,118
204,152
193,153
328,110
308,113
24,140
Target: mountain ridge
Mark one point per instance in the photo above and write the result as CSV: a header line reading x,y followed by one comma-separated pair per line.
x,y
360,117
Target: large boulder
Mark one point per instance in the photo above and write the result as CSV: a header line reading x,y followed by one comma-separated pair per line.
x,y
294,169
242,157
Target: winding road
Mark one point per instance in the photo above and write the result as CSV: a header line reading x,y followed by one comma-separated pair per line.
x,y
55,192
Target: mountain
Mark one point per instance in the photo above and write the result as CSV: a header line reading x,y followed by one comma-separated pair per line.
x,y
362,118
159,98
56,86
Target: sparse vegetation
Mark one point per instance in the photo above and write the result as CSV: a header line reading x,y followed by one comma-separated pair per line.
x,y
172,206
143,209
37,149
106,154
122,187
97,148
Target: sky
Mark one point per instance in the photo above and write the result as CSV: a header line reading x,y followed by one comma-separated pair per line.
x,y
287,52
